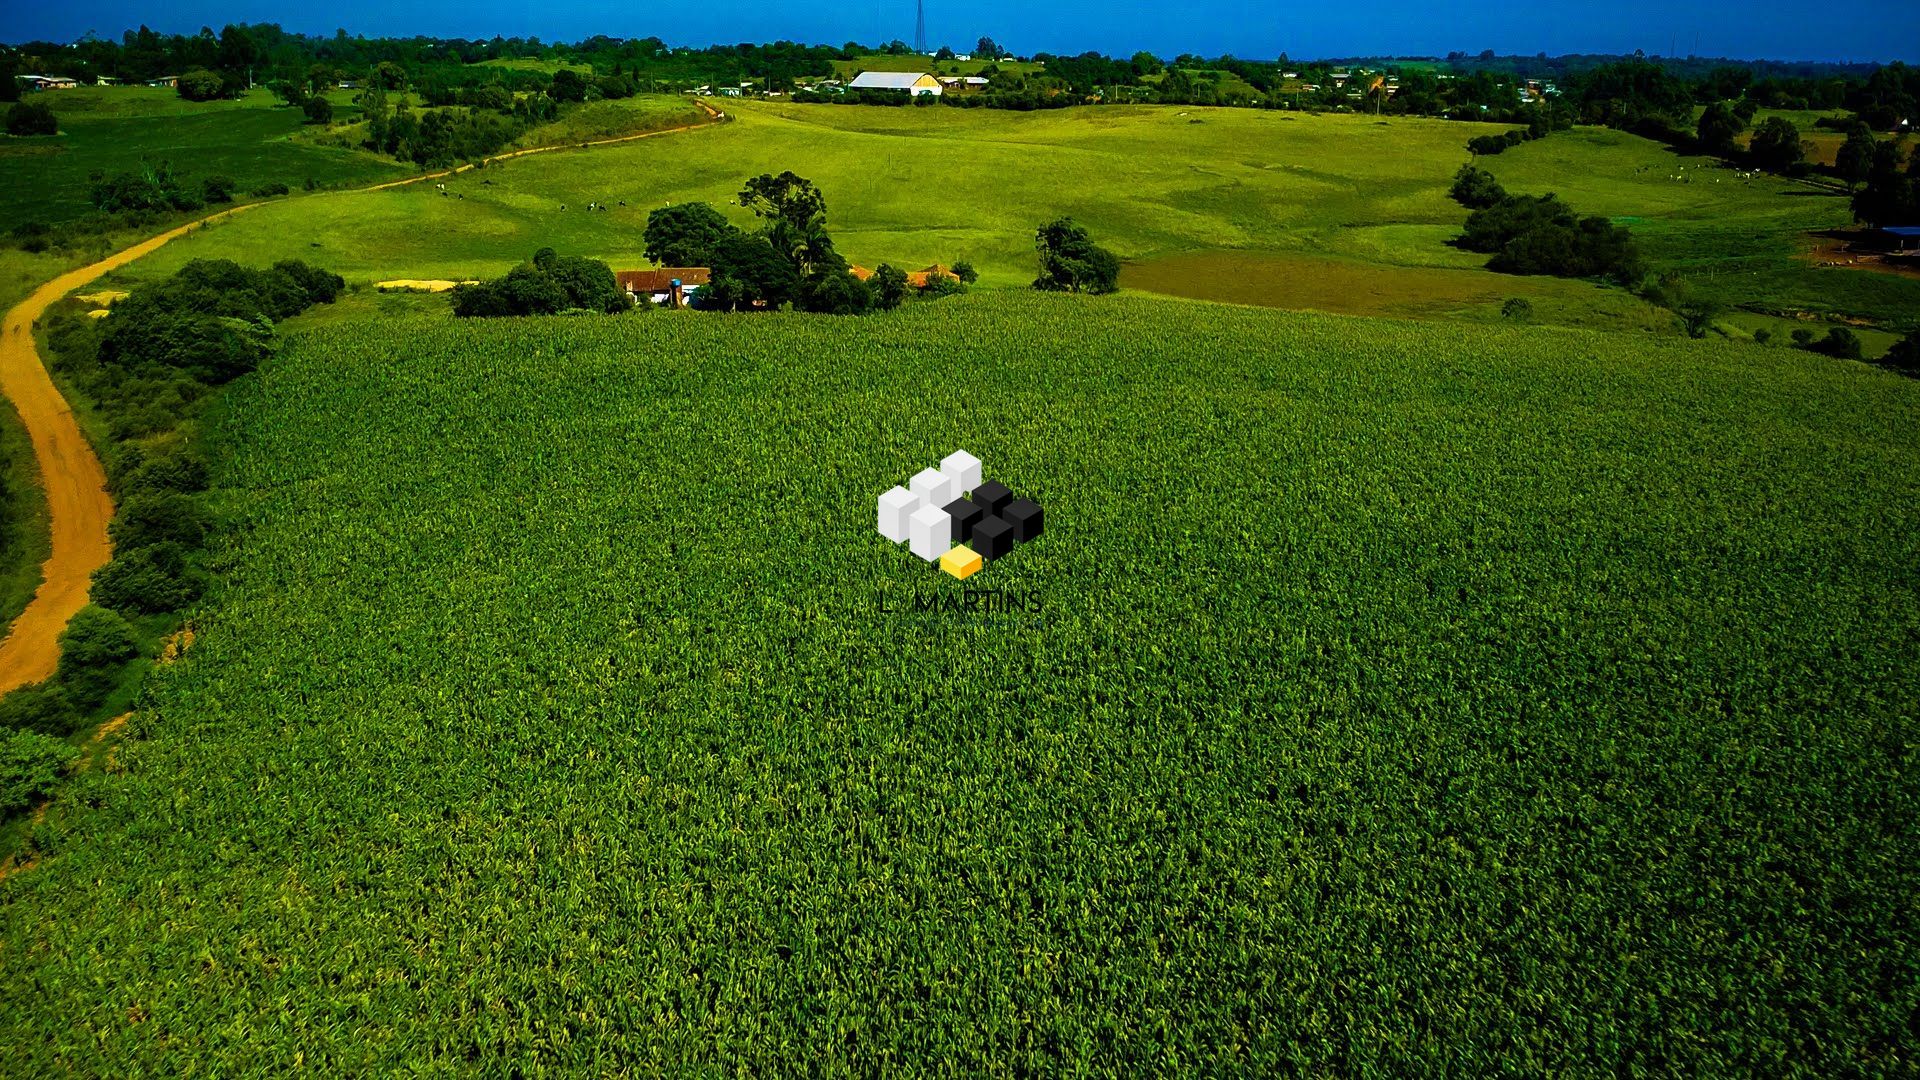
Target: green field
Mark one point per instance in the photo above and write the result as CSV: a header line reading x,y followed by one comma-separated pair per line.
x,y
115,129
1296,194
1740,240
1399,700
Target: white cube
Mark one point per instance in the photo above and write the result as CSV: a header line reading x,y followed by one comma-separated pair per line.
x,y
932,532
935,488
963,469
896,506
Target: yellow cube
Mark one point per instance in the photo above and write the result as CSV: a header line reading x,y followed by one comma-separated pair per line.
x,y
962,562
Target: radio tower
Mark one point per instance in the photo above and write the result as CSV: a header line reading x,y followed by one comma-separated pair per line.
x,y
920,27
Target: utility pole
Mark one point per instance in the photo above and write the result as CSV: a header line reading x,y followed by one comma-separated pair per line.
x,y
920,27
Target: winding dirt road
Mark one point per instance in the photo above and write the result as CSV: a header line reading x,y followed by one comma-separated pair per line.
x,y
76,486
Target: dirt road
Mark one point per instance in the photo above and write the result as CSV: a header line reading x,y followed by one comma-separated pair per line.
x,y
76,487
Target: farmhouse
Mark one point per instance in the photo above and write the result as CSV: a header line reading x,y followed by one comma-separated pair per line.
x,y
916,279
917,83
673,286
963,82
48,82
171,81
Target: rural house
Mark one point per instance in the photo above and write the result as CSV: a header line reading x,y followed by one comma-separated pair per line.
x,y
672,286
916,279
917,83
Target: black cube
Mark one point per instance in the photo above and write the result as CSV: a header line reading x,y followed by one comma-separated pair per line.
x,y
992,537
992,496
1025,517
965,514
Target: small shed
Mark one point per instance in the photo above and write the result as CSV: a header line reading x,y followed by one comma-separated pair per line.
x,y
1901,237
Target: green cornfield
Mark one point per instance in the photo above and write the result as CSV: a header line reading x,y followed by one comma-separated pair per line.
x,y
1383,699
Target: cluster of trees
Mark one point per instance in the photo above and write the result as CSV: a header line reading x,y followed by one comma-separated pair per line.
x,y
547,284
148,367
156,187
31,118
790,259
1546,120
1540,234
436,137
1890,191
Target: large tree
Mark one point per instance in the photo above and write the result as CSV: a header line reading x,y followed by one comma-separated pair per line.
x,y
1717,129
1071,262
685,235
795,213
1853,162
1776,145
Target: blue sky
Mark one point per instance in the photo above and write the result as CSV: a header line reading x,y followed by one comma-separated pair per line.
x,y
1778,29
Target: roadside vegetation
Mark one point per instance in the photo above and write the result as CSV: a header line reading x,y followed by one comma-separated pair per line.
x,y
148,371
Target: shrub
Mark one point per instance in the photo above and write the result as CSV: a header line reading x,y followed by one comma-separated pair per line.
x,y
1529,235
835,291
319,286
1904,357
179,471
269,190
942,285
152,517
31,765
1475,189
965,272
1840,342
42,707
319,110
201,85
217,189
889,287
1071,262
1488,145
546,285
150,579
32,118
1518,309
96,644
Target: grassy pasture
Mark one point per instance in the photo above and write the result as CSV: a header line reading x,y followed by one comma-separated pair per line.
x,y
1742,241
913,186
1399,697
113,129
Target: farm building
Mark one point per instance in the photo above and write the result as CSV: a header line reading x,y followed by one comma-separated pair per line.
x,y
916,279
917,83
48,82
1901,237
963,82
673,286
168,81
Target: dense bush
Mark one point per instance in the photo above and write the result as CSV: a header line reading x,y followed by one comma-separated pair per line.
x,y
143,581
1475,189
1528,234
182,470
42,707
1071,262
269,190
1517,309
1840,342
1488,145
318,110
217,189
154,188
31,765
1904,357
94,647
545,285
152,517
32,118
200,85
833,290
